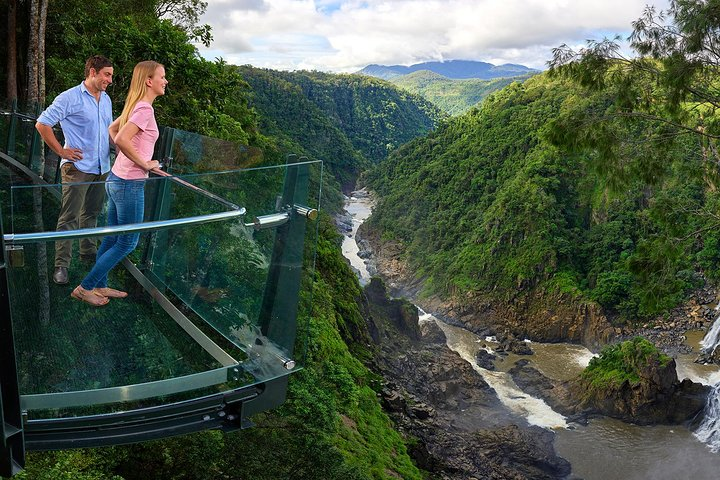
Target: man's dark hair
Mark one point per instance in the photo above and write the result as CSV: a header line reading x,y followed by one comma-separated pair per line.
x,y
96,62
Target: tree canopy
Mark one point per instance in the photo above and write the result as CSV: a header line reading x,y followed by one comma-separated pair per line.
x,y
491,203
665,91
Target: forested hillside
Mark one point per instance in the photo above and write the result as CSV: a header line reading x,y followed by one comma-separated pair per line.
x,y
452,96
332,425
338,118
487,204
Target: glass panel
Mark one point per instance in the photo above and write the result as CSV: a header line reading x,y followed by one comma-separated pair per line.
x,y
222,271
66,345
246,291
5,118
192,153
48,165
27,147
27,200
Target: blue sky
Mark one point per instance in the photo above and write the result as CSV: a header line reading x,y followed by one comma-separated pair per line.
x,y
346,35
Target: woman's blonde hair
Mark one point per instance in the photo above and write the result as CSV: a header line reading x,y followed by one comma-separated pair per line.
x,y
138,87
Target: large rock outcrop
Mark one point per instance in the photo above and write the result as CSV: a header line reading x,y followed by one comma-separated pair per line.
x,y
657,397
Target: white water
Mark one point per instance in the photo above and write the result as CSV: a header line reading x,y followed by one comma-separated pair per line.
x,y
711,338
709,430
535,410
606,449
359,207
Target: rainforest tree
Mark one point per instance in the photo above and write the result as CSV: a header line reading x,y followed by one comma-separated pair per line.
x,y
666,91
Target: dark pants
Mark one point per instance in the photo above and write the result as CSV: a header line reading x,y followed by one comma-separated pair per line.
x,y
81,205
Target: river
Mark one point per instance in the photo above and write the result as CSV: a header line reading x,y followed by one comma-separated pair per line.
x,y
358,208
605,449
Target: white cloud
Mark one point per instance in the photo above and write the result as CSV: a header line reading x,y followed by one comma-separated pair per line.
x,y
346,35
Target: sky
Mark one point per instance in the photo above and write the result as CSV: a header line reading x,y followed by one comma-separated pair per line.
x,y
346,35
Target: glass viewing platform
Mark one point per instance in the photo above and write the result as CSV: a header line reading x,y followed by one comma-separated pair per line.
x,y
219,297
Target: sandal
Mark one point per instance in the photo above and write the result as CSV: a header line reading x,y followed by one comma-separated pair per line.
x,y
109,292
88,297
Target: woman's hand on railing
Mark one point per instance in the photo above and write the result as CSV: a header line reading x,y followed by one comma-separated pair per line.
x,y
152,164
157,171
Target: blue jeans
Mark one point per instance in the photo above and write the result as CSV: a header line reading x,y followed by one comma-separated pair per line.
x,y
126,204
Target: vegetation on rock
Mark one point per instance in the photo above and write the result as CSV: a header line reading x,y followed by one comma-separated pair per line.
x,y
623,362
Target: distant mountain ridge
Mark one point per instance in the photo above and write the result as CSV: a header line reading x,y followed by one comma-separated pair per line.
x,y
454,69
453,96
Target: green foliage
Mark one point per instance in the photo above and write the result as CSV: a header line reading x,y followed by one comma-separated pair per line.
x,y
84,464
623,362
612,288
205,97
489,203
651,120
298,125
348,121
186,15
452,96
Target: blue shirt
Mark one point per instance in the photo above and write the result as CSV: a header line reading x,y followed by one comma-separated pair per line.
x,y
84,122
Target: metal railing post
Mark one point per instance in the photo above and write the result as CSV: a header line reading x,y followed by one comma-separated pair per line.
x,y
12,443
278,314
35,149
161,205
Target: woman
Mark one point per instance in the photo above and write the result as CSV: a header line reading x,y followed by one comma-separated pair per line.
x,y
134,134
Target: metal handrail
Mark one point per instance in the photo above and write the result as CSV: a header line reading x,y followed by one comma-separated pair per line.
x,y
205,193
236,211
120,229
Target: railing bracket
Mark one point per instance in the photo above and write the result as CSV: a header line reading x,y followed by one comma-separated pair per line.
x,y
15,255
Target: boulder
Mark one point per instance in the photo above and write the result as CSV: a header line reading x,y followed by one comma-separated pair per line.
x,y
709,357
656,398
508,343
485,359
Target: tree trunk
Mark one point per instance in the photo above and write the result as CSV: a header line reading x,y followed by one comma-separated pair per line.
x,y
43,286
11,91
36,97
42,24
33,92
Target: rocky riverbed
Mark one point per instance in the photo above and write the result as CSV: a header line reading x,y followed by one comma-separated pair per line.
x,y
435,396
431,388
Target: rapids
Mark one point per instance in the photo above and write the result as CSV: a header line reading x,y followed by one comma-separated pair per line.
x,y
605,449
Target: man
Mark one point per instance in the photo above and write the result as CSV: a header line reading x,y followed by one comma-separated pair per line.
x,y
84,113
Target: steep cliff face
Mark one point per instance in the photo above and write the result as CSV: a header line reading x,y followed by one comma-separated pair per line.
x,y
539,315
402,314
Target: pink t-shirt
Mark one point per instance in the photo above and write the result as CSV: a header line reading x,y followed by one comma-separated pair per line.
x,y
143,116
